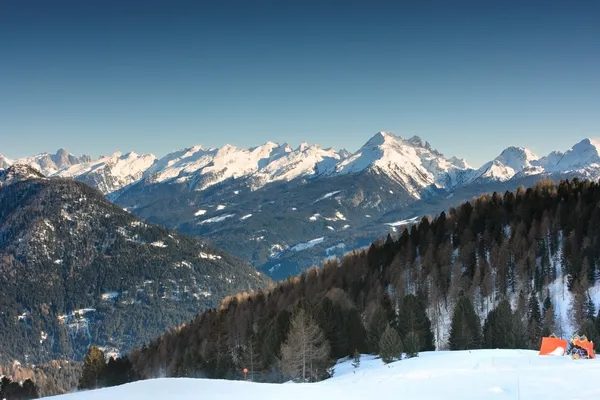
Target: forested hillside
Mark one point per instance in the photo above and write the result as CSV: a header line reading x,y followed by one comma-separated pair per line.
x,y
499,271
76,270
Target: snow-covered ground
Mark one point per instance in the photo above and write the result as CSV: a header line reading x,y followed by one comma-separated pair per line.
x,y
460,375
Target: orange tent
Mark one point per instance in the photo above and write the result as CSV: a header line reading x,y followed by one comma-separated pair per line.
x,y
553,346
584,343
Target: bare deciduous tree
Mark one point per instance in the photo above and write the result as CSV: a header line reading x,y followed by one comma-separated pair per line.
x,y
305,353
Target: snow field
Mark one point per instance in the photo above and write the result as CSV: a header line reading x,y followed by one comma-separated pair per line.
x,y
458,375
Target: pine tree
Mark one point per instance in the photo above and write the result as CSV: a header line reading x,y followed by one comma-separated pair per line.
x,y
534,323
390,345
93,366
590,308
411,344
465,329
502,329
377,325
305,352
413,318
548,321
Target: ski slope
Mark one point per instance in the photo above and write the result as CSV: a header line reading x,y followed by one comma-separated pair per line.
x,y
460,375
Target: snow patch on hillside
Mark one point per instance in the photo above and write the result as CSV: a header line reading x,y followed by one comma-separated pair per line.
x,y
216,219
307,245
327,195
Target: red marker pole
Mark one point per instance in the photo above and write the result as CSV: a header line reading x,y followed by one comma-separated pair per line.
x,y
245,374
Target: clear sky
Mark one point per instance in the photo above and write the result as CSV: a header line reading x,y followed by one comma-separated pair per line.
x,y
157,76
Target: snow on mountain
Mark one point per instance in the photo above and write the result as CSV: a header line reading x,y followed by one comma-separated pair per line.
x,y
583,159
49,164
264,164
510,162
583,154
110,173
18,172
410,162
465,375
5,162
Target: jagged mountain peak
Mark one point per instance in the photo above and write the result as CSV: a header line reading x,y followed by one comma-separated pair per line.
x,y
381,138
412,163
586,148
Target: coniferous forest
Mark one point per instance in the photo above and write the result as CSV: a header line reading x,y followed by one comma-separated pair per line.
x,y
490,273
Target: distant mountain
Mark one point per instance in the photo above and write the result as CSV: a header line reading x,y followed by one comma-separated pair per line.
x,y
280,207
76,270
48,164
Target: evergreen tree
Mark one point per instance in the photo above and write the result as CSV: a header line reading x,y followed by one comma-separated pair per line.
x,y
305,352
413,318
117,372
548,322
411,344
390,345
465,329
377,325
93,367
502,328
534,323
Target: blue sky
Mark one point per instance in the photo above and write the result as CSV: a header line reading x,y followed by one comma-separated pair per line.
x,y
471,78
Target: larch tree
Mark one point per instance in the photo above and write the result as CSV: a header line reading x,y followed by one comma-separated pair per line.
x,y
305,352
93,366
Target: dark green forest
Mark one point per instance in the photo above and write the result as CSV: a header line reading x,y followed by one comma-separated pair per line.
x,y
77,270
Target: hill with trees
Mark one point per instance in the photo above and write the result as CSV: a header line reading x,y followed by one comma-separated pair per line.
x,y
76,270
499,271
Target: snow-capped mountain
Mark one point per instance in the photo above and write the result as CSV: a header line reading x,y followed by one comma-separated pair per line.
x,y
49,164
260,202
110,173
271,162
509,163
410,162
583,155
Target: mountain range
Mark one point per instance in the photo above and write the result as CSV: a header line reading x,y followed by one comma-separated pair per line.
x,y
285,209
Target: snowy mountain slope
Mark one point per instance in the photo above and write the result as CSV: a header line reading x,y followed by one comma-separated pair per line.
x,y
5,162
261,165
16,173
583,155
412,163
110,173
49,164
464,375
510,162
